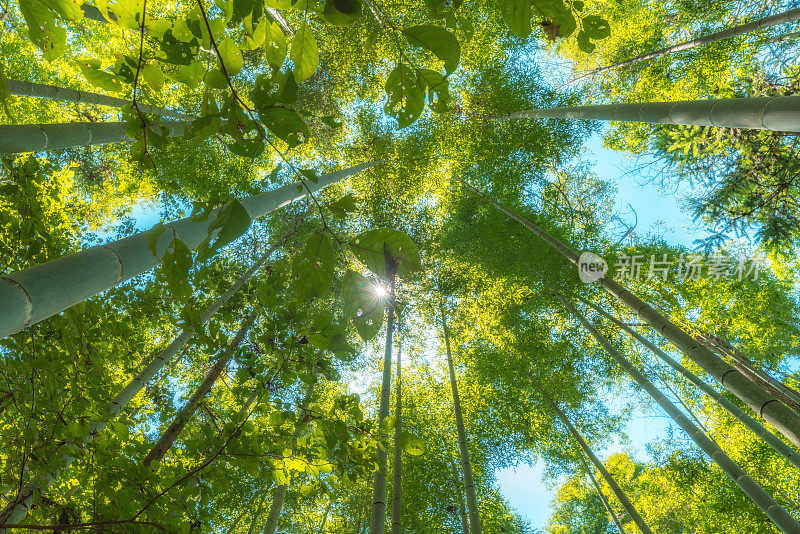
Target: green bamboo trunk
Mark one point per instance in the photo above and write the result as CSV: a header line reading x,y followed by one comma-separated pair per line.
x,y
271,525
187,411
612,483
753,490
378,515
466,466
789,454
397,466
777,414
780,113
52,92
19,138
34,294
605,502
742,29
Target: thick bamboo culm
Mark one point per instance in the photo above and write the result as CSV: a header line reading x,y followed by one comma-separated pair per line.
x,y
52,92
20,138
36,293
780,113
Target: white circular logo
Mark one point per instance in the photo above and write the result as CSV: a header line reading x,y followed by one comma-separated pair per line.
x,y
591,267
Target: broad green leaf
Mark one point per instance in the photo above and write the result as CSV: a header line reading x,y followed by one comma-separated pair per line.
x,y
441,42
584,43
344,205
559,16
596,27
189,75
152,236
90,68
231,222
177,262
342,12
43,29
153,76
274,45
438,87
231,56
312,268
362,305
304,53
373,246
287,124
406,95
411,444
517,15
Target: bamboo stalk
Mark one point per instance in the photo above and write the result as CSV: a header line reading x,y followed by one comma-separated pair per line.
x,y
378,515
19,138
187,411
19,507
780,416
397,465
466,466
780,18
36,293
52,92
780,113
271,525
757,428
751,488
622,497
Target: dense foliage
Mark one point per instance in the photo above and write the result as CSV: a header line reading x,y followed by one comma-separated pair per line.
x,y
270,415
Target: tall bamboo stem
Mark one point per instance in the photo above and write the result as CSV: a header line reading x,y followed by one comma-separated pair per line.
x,y
780,113
52,92
752,489
397,466
271,525
757,428
377,518
612,483
187,411
780,416
34,294
466,466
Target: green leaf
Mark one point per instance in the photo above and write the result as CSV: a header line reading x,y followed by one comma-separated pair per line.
x,y
287,124
231,222
342,12
559,16
312,268
372,246
153,76
231,56
214,78
517,15
274,45
344,205
406,95
152,236
596,27
90,68
361,304
438,87
584,43
411,444
177,262
441,42
304,53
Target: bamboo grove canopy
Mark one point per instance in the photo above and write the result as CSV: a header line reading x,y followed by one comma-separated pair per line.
x,y
377,269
